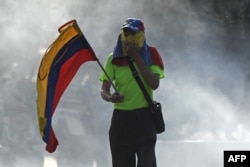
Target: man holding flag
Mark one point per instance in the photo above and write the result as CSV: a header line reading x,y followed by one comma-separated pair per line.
x,y
132,132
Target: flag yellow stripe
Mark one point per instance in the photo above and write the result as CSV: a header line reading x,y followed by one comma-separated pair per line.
x,y
65,36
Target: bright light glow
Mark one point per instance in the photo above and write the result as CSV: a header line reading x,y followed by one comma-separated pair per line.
x,y
49,162
94,164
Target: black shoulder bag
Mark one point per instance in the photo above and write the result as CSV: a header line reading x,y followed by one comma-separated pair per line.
x,y
155,106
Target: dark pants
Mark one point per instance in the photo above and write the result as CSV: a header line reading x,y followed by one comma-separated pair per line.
x,y
132,138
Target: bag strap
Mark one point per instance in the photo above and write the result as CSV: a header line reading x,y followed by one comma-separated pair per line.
x,y
139,81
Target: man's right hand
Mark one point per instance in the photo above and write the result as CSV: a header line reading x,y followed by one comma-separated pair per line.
x,y
107,96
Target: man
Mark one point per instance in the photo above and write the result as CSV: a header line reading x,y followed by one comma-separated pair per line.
x,y
132,133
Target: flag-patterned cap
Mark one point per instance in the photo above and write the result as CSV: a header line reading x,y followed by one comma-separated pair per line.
x,y
134,24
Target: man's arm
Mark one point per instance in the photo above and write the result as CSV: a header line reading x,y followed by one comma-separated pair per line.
x,y
152,79
106,95
105,91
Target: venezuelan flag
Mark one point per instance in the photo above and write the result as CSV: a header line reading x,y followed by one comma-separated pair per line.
x,y
57,68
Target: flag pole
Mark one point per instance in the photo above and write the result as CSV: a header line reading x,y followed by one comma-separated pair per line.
x,y
107,75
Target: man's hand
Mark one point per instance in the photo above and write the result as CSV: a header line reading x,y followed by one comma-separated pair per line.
x,y
131,49
107,96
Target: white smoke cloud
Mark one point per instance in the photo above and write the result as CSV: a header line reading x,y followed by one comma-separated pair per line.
x,y
203,94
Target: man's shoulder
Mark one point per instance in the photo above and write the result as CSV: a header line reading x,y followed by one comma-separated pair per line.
x,y
156,57
154,52
109,57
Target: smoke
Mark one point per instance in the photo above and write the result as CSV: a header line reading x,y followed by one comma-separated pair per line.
x,y
204,93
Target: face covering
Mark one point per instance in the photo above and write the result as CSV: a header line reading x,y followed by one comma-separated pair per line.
x,y
138,38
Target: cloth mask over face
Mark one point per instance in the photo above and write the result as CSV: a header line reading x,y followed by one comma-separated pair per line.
x,y
138,39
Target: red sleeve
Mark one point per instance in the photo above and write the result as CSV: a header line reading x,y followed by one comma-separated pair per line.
x,y
156,58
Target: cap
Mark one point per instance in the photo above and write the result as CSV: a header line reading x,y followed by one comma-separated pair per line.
x,y
134,24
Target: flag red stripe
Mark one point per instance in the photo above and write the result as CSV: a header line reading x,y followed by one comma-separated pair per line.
x,y
68,71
